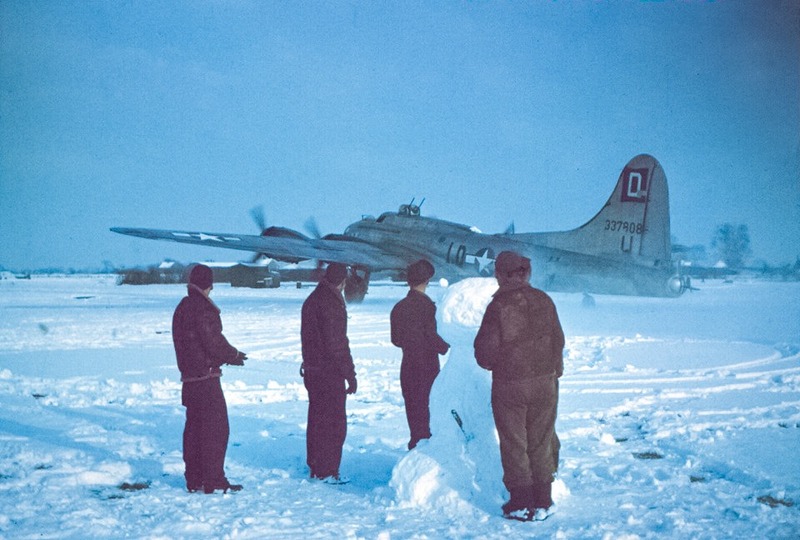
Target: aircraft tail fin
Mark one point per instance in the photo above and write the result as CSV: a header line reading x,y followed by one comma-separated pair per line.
x,y
633,223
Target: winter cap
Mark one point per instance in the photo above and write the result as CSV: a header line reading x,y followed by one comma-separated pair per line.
x,y
335,273
201,276
419,272
510,262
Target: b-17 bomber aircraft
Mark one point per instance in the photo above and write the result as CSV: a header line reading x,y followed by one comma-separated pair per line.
x,y
625,249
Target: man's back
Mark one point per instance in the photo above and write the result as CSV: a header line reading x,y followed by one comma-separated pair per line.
x,y
413,329
521,336
323,332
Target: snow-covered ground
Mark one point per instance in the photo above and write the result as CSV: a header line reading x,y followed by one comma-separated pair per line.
x,y
679,418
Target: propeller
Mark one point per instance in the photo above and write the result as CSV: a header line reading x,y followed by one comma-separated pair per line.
x,y
259,216
257,213
312,228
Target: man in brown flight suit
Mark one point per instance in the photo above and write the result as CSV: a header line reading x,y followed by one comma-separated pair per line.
x,y
521,342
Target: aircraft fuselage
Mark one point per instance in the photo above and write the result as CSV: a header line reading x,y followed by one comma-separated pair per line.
x,y
458,252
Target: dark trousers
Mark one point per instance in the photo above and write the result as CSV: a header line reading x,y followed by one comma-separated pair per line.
x,y
327,423
416,385
205,436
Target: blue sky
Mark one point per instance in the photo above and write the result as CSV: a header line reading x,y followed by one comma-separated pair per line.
x,y
188,114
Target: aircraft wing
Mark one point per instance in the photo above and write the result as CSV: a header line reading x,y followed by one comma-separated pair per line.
x,y
341,249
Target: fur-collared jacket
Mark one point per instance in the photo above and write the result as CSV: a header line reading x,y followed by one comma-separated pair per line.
x,y
200,346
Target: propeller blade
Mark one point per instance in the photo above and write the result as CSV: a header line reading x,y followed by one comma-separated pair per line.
x,y
312,228
257,213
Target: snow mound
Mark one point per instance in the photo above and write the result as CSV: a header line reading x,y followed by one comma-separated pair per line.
x,y
466,301
458,470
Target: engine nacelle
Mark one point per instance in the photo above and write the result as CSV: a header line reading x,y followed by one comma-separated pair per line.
x,y
283,232
677,284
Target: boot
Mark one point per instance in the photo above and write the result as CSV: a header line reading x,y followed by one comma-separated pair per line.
x,y
518,505
541,495
225,486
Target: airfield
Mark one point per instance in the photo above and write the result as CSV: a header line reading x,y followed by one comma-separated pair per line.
x,y
679,418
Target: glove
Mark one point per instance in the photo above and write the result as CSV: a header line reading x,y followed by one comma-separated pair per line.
x,y
239,360
352,385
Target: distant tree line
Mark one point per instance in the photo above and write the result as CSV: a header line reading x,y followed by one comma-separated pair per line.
x,y
731,243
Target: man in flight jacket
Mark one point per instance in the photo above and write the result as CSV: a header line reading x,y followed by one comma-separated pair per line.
x,y
327,367
200,349
413,325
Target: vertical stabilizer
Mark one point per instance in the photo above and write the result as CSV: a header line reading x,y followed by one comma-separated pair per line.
x,y
633,224
637,215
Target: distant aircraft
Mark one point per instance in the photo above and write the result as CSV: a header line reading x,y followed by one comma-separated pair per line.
x,y
625,249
